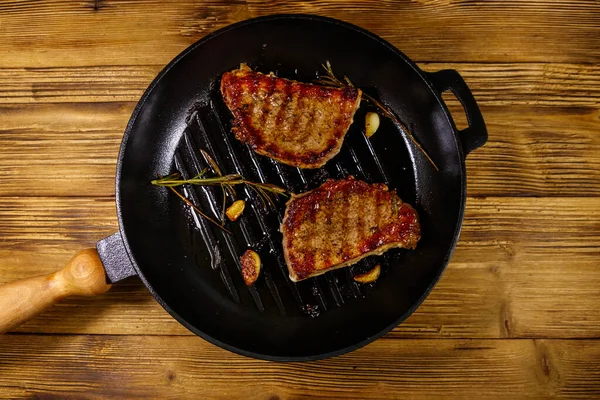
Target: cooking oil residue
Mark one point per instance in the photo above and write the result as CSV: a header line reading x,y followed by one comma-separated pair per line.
x,y
312,311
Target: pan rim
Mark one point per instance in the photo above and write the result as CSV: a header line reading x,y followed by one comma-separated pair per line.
x,y
248,353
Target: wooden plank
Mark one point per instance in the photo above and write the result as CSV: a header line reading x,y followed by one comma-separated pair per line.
x,y
544,299
530,229
537,152
63,33
188,367
504,84
524,267
532,151
55,220
61,150
99,84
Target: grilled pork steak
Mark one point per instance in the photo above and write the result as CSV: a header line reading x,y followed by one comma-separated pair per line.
x,y
295,123
341,222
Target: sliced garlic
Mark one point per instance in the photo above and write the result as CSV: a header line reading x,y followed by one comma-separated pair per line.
x,y
235,210
251,265
371,123
370,276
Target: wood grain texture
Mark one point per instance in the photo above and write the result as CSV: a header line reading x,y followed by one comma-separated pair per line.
x,y
99,84
514,316
493,84
61,150
537,152
512,275
63,33
188,367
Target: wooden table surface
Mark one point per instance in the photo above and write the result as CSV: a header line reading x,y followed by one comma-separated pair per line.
x,y
517,312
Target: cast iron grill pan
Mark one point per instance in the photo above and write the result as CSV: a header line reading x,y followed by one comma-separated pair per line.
x,y
192,267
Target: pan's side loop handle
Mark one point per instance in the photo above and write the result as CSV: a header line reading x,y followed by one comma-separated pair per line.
x,y
116,261
476,134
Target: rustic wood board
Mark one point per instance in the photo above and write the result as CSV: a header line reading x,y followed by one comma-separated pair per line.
x,y
102,32
187,367
514,316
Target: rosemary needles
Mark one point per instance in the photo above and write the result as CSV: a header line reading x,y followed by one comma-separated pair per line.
x,y
331,79
226,182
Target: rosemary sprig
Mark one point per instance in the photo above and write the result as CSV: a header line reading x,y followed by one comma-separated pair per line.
x,y
264,190
217,171
229,179
331,79
224,188
223,205
189,203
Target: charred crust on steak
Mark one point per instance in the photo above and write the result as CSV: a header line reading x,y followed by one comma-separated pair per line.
x,y
341,222
296,123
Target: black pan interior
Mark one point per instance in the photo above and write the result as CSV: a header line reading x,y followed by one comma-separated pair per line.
x,y
168,250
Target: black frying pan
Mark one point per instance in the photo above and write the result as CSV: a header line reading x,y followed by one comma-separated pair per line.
x,y
190,266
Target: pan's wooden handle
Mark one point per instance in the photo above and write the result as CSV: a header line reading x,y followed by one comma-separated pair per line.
x,y
22,300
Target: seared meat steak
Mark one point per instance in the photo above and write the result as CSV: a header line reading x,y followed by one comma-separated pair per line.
x,y
296,123
341,222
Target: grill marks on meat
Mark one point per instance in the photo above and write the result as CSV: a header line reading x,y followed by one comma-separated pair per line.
x,y
342,222
296,123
